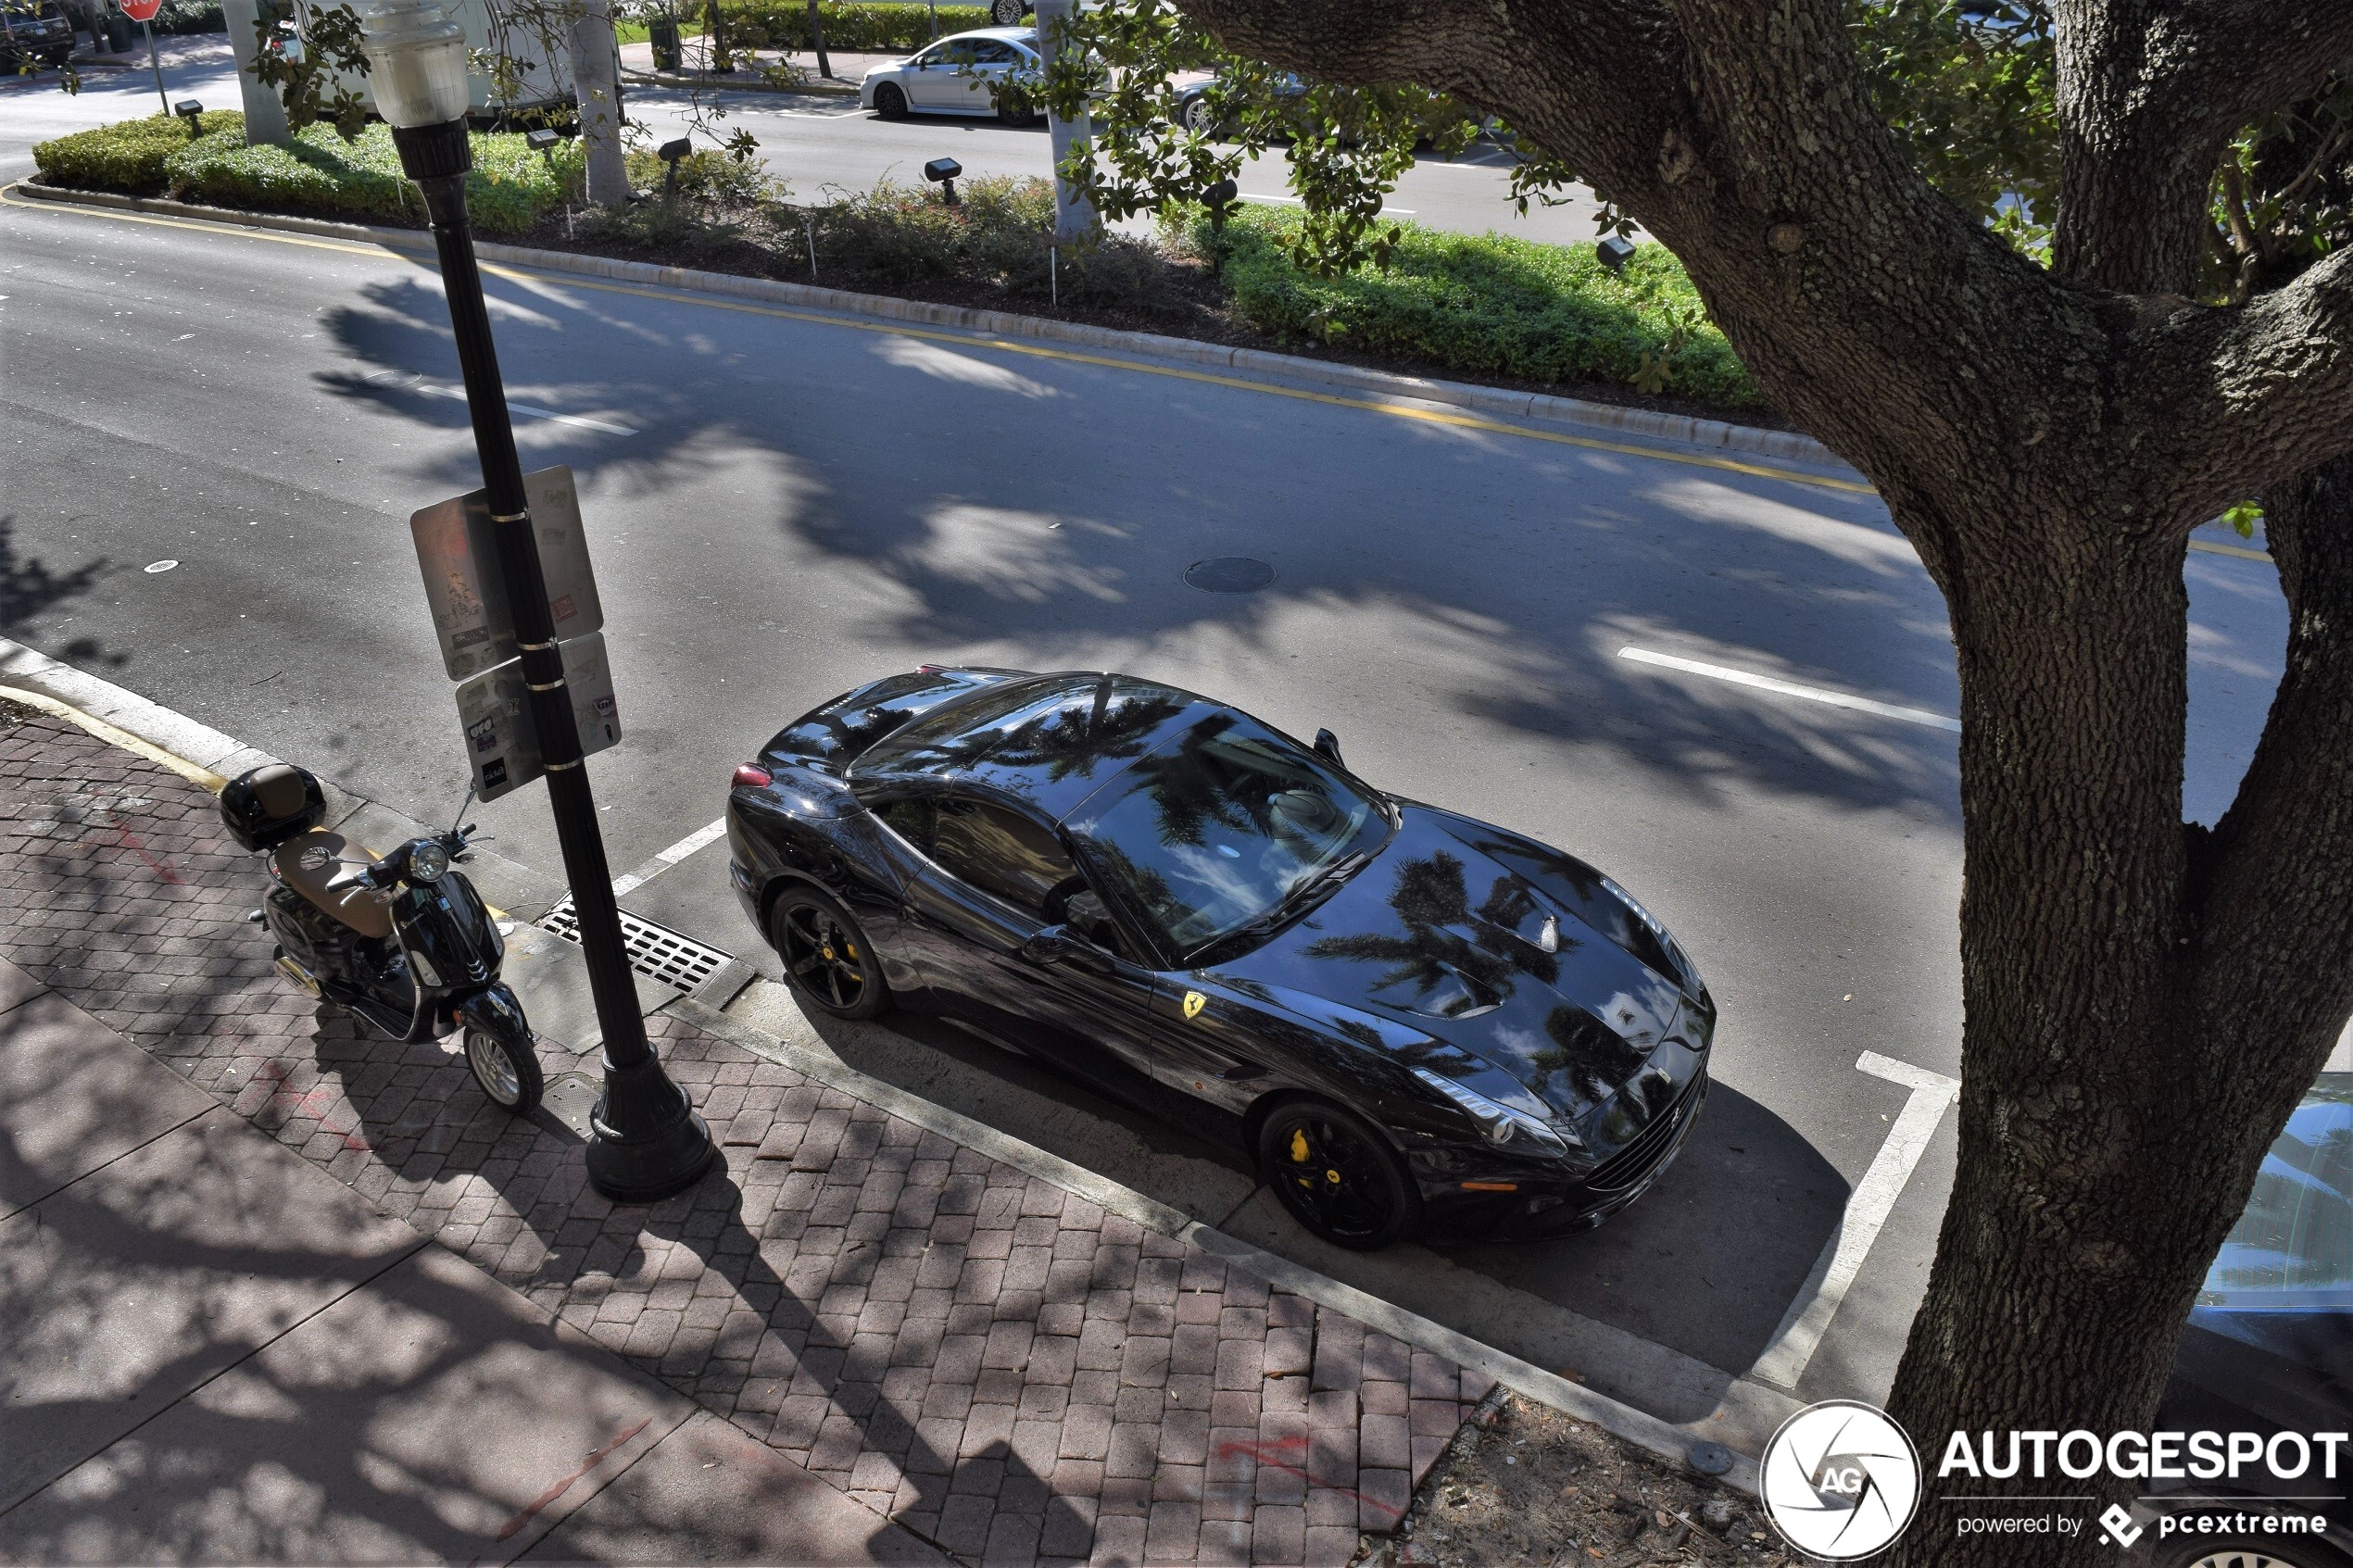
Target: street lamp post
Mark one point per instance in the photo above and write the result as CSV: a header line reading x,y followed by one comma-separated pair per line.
x,y
645,1142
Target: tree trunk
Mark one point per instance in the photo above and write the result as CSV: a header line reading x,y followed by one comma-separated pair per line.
x,y
598,87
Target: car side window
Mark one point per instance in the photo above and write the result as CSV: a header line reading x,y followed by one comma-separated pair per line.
x,y
988,52
912,817
1003,853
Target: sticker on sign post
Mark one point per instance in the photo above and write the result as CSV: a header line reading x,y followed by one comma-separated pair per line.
x,y
458,554
502,744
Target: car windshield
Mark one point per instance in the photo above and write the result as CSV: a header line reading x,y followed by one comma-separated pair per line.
x,y
1221,826
2295,1238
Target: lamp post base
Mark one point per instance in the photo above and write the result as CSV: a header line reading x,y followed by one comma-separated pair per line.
x,y
645,1142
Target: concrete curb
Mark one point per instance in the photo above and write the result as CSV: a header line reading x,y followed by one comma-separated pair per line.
x,y
1661,1437
1681,428
160,728
203,755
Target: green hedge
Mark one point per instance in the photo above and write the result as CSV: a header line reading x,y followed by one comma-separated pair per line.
x,y
780,24
510,188
190,16
1489,305
127,155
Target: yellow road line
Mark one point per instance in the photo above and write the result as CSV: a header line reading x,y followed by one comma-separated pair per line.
x,y
193,772
967,340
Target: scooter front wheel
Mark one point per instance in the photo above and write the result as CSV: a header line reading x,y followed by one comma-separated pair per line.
x,y
507,1069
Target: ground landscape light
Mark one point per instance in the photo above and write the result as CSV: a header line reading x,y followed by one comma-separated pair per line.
x,y
942,171
1614,251
416,62
189,110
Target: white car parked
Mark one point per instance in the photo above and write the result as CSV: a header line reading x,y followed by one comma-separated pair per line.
x,y
953,75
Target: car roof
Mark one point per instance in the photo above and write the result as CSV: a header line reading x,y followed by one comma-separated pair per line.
x,y
1049,742
1024,35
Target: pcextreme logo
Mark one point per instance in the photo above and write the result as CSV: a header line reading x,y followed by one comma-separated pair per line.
x,y
1839,1480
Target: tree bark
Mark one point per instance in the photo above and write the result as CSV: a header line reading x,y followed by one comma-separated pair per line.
x,y
2144,1003
597,86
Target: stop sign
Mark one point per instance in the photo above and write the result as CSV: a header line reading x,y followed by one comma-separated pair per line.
x,y
142,10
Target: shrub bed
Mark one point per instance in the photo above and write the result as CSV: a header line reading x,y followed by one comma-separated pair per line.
x,y
126,156
190,16
510,189
780,24
1491,305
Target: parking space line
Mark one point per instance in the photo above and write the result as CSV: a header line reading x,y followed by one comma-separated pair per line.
x,y
1791,688
1817,1299
669,858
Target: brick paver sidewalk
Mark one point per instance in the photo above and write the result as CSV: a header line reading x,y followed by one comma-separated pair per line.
x,y
996,1364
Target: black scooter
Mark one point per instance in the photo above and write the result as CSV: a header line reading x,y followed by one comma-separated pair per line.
x,y
402,940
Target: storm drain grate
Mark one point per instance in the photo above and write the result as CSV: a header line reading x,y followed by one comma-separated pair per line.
x,y
654,952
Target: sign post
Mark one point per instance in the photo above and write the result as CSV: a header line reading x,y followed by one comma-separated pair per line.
x,y
144,12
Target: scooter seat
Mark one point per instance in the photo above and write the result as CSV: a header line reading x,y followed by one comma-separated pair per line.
x,y
320,866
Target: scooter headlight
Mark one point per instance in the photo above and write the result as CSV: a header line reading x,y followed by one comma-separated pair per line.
x,y
427,861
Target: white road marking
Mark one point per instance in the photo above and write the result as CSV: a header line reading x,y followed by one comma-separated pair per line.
x,y
670,857
457,394
1809,1314
1791,688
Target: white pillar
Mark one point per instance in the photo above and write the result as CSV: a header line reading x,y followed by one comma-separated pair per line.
x,y
599,89
1074,218
265,116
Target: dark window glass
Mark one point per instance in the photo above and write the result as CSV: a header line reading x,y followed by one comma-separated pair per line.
x,y
988,52
1221,824
846,727
956,738
916,820
1003,853
2298,1231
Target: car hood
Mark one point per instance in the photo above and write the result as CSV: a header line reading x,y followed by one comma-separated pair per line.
x,y
1444,932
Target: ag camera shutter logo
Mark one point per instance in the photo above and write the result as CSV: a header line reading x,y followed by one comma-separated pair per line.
x,y
1839,1480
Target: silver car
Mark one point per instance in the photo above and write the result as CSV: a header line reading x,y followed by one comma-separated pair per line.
x,y
959,74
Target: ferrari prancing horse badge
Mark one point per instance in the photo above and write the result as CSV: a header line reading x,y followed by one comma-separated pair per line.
x,y
1194,1002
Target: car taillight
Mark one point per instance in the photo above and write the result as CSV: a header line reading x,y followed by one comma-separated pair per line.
x,y
929,668
751,775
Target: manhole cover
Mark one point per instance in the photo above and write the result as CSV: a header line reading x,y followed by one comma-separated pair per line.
x,y
569,1098
1229,575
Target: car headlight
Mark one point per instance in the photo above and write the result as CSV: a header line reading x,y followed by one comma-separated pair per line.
x,y
1505,1127
427,861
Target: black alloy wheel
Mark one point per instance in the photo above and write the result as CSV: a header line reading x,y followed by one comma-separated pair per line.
x,y
1335,1174
1016,112
889,102
826,957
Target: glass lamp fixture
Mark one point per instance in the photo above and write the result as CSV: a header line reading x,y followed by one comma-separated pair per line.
x,y
416,62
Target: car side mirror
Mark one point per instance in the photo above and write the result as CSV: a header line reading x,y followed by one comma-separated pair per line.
x,y
1327,747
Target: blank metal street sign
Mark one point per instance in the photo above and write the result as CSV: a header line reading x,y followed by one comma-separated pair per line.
x,y
468,591
501,741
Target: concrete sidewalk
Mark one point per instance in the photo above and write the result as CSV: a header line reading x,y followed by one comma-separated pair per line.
x,y
964,1357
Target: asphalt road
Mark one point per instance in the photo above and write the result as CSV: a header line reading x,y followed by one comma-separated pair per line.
x,y
805,504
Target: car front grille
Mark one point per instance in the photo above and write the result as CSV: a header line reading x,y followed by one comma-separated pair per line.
x,y
1645,1148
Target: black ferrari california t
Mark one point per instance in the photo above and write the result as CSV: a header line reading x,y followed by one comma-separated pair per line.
x,y
1424,1022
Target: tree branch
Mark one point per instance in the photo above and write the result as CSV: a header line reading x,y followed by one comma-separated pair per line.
x,y
2253,394
2149,92
2273,889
